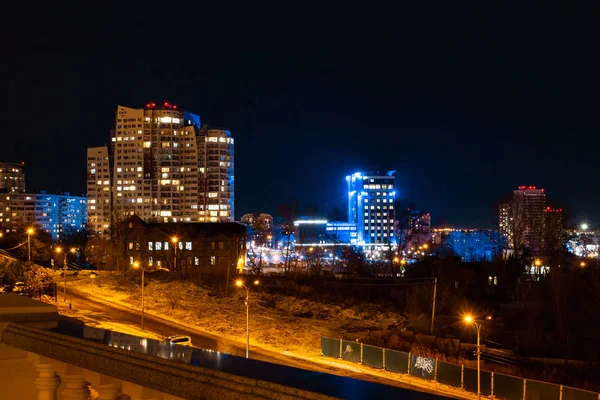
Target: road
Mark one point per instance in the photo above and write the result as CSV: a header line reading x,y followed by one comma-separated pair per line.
x,y
103,311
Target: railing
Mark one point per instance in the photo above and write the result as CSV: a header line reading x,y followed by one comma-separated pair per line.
x,y
500,386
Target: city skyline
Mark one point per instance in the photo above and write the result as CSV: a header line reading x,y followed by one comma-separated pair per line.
x,y
464,107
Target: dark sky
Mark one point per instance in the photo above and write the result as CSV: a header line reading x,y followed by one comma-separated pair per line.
x,y
466,100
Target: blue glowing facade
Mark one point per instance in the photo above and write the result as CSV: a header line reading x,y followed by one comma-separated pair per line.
x,y
342,232
474,245
371,197
61,214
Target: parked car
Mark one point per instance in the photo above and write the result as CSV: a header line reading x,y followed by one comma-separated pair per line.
x,y
19,287
70,272
180,340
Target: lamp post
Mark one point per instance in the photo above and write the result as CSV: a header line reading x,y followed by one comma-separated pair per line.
x,y
175,241
470,320
136,265
30,232
59,250
240,283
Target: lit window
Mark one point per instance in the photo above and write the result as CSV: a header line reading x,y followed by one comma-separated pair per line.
x,y
196,261
188,245
213,260
158,245
150,246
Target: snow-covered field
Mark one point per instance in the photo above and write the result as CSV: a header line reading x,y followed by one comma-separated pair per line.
x,y
284,324
279,323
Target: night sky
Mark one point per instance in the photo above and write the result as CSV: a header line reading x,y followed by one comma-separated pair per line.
x,y
466,100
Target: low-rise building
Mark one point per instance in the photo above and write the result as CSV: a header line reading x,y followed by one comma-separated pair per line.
x,y
201,250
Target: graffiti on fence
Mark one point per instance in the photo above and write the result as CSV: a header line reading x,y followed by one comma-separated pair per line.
x,y
348,349
424,364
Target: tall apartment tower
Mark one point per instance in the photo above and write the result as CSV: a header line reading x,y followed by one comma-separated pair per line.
x,y
522,220
98,189
166,167
12,178
371,198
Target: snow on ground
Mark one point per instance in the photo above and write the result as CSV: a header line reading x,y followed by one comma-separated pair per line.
x,y
284,324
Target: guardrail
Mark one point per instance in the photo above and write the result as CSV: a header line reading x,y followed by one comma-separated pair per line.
x,y
500,386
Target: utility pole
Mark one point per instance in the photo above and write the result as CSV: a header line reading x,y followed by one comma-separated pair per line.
x,y
433,308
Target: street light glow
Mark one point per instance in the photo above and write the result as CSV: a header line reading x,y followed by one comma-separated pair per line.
x,y
469,319
538,263
174,239
136,264
256,282
30,231
73,250
584,226
239,283
58,250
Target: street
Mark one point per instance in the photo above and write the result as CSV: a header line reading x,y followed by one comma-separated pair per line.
x,y
101,311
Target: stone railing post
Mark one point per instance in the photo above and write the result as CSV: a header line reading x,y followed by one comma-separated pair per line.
x,y
108,392
47,382
75,388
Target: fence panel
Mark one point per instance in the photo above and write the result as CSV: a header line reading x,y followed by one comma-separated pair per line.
x,y
330,347
351,351
536,390
396,361
373,356
470,381
508,387
448,374
570,393
422,367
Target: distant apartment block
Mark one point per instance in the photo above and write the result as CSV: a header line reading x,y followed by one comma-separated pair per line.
x,y
61,214
522,219
419,222
12,178
58,214
371,198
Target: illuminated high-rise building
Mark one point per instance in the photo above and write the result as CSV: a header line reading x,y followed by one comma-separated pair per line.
x,y
98,189
12,178
371,198
522,220
166,167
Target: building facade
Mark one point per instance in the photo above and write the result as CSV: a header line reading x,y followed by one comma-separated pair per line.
x,y
371,198
188,250
12,178
58,214
419,222
162,166
522,218
98,189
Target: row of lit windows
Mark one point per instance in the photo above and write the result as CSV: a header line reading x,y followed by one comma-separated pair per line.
x,y
379,207
377,186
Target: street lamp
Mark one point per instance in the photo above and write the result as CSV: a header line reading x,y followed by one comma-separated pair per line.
x,y
240,283
582,264
469,319
175,240
584,227
136,265
72,251
30,232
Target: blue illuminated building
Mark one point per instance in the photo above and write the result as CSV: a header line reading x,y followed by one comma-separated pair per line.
x,y
342,232
371,198
61,214
473,245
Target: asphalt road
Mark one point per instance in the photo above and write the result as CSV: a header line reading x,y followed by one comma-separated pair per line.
x,y
109,312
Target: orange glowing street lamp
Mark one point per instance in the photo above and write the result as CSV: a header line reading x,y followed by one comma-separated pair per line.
x,y
240,283
469,319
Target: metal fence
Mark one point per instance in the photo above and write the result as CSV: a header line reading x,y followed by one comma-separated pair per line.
x,y
499,385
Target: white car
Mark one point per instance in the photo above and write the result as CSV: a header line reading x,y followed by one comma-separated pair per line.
x,y
180,340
